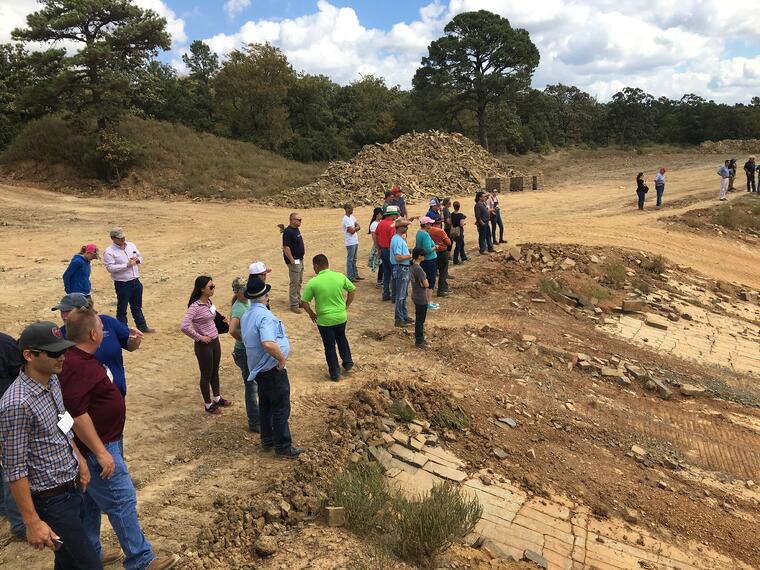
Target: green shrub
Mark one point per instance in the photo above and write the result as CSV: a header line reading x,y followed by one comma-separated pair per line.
x,y
362,491
727,217
656,265
450,418
615,274
600,293
423,529
641,285
548,285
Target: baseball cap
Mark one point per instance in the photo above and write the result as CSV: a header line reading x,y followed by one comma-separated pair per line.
x,y
434,202
117,233
43,335
256,288
257,268
396,190
90,248
425,220
72,301
391,210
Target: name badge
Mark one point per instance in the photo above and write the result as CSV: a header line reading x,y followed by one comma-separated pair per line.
x,y
296,262
109,373
65,422
213,309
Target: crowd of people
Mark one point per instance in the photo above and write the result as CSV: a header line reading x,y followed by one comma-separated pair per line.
x,y
63,388
727,174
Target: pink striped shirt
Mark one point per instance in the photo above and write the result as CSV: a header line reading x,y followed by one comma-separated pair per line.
x,y
199,321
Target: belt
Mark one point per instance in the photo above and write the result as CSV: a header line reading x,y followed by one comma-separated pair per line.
x,y
267,371
59,490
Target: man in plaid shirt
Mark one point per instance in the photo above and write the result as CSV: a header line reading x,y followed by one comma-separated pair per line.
x,y
45,470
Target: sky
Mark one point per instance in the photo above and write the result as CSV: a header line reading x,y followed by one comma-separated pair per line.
x,y
666,47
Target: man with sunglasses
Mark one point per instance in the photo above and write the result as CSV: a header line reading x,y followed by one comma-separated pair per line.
x,y
99,414
42,464
293,252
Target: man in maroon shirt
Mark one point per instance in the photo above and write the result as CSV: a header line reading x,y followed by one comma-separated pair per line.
x,y
384,232
97,406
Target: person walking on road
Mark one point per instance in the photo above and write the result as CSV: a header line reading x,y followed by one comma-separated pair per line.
x,y
267,347
199,324
99,414
725,174
293,251
121,259
43,467
494,210
457,234
442,244
76,278
384,232
659,185
400,261
641,189
482,219
240,306
326,288
430,265
351,236
749,170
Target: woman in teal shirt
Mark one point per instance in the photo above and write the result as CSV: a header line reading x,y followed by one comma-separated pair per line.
x,y
430,265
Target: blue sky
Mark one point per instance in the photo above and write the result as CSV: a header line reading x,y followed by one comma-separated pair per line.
x,y
707,47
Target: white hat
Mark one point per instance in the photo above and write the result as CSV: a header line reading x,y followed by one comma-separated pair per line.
x,y
257,268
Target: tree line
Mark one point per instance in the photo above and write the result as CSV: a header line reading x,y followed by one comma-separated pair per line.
x,y
475,80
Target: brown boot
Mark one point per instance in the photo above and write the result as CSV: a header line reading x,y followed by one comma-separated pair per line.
x,y
111,555
164,563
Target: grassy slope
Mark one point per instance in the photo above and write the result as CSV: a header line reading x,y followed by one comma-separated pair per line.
x,y
173,160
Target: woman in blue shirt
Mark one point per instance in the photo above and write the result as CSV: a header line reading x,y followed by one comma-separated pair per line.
x,y
76,278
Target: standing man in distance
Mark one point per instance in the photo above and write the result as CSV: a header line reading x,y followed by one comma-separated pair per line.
x,y
384,232
42,465
99,415
121,259
732,174
267,348
659,185
725,174
482,219
749,170
293,251
442,244
351,235
326,288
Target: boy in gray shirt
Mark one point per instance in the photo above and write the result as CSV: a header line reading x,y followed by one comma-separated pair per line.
x,y
419,296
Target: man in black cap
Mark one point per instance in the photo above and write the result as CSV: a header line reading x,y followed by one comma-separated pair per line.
x,y
267,348
46,472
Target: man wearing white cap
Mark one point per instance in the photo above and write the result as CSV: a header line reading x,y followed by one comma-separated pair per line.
x,y
258,269
121,259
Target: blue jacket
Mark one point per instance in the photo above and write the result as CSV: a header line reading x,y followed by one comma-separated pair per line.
x,y
76,278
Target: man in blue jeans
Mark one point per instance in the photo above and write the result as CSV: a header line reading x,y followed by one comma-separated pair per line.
x,y
42,464
121,259
267,347
400,261
99,414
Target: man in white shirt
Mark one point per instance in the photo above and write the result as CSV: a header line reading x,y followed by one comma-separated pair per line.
x,y
121,259
351,235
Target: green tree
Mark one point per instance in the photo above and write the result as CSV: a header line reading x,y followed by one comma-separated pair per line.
x,y
480,59
250,93
115,38
201,61
365,111
203,65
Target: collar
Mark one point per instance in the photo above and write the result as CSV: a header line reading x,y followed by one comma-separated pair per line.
x,y
82,353
34,387
325,269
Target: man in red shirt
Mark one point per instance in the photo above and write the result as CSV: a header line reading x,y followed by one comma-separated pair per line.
x,y
97,406
384,232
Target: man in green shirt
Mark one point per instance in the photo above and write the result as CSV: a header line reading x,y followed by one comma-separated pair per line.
x,y
326,288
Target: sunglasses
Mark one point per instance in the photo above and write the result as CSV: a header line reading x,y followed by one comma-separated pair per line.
x,y
298,219
212,286
50,354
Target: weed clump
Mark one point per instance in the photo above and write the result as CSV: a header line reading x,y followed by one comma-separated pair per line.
x,y
449,418
615,274
362,491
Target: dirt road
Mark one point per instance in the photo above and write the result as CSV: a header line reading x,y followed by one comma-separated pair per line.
x,y
170,444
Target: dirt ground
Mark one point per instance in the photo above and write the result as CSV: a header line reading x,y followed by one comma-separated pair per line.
x,y
185,459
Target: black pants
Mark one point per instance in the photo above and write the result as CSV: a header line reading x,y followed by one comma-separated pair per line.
x,y
332,335
209,355
751,183
420,313
274,409
64,514
443,271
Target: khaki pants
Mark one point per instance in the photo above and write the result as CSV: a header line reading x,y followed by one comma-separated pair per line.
x,y
295,272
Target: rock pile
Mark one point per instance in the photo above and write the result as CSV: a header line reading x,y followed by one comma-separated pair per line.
x,y
422,164
728,146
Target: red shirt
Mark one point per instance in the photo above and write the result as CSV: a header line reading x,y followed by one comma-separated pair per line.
x,y
86,388
384,232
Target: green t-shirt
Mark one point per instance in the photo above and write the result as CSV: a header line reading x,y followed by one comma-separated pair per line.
x,y
326,288
239,309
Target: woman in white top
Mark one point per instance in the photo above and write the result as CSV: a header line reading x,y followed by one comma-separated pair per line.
x,y
374,261
495,211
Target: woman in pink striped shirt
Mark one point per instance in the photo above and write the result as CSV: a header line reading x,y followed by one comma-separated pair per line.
x,y
199,325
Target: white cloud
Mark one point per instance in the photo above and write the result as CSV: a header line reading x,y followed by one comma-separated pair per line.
x,y
667,47
13,15
234,7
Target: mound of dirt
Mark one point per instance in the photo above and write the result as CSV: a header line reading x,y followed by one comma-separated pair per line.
x,y
422,164
728,146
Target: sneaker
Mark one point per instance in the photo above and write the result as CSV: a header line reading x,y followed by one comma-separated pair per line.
x,y
401,324
502,241
111,555
334,378
296,309
164,563
433,306
386,298
410,320
213,409
266,448
422,344
291,453
222,403
379,285
456,263
147,330
348,367
442,294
